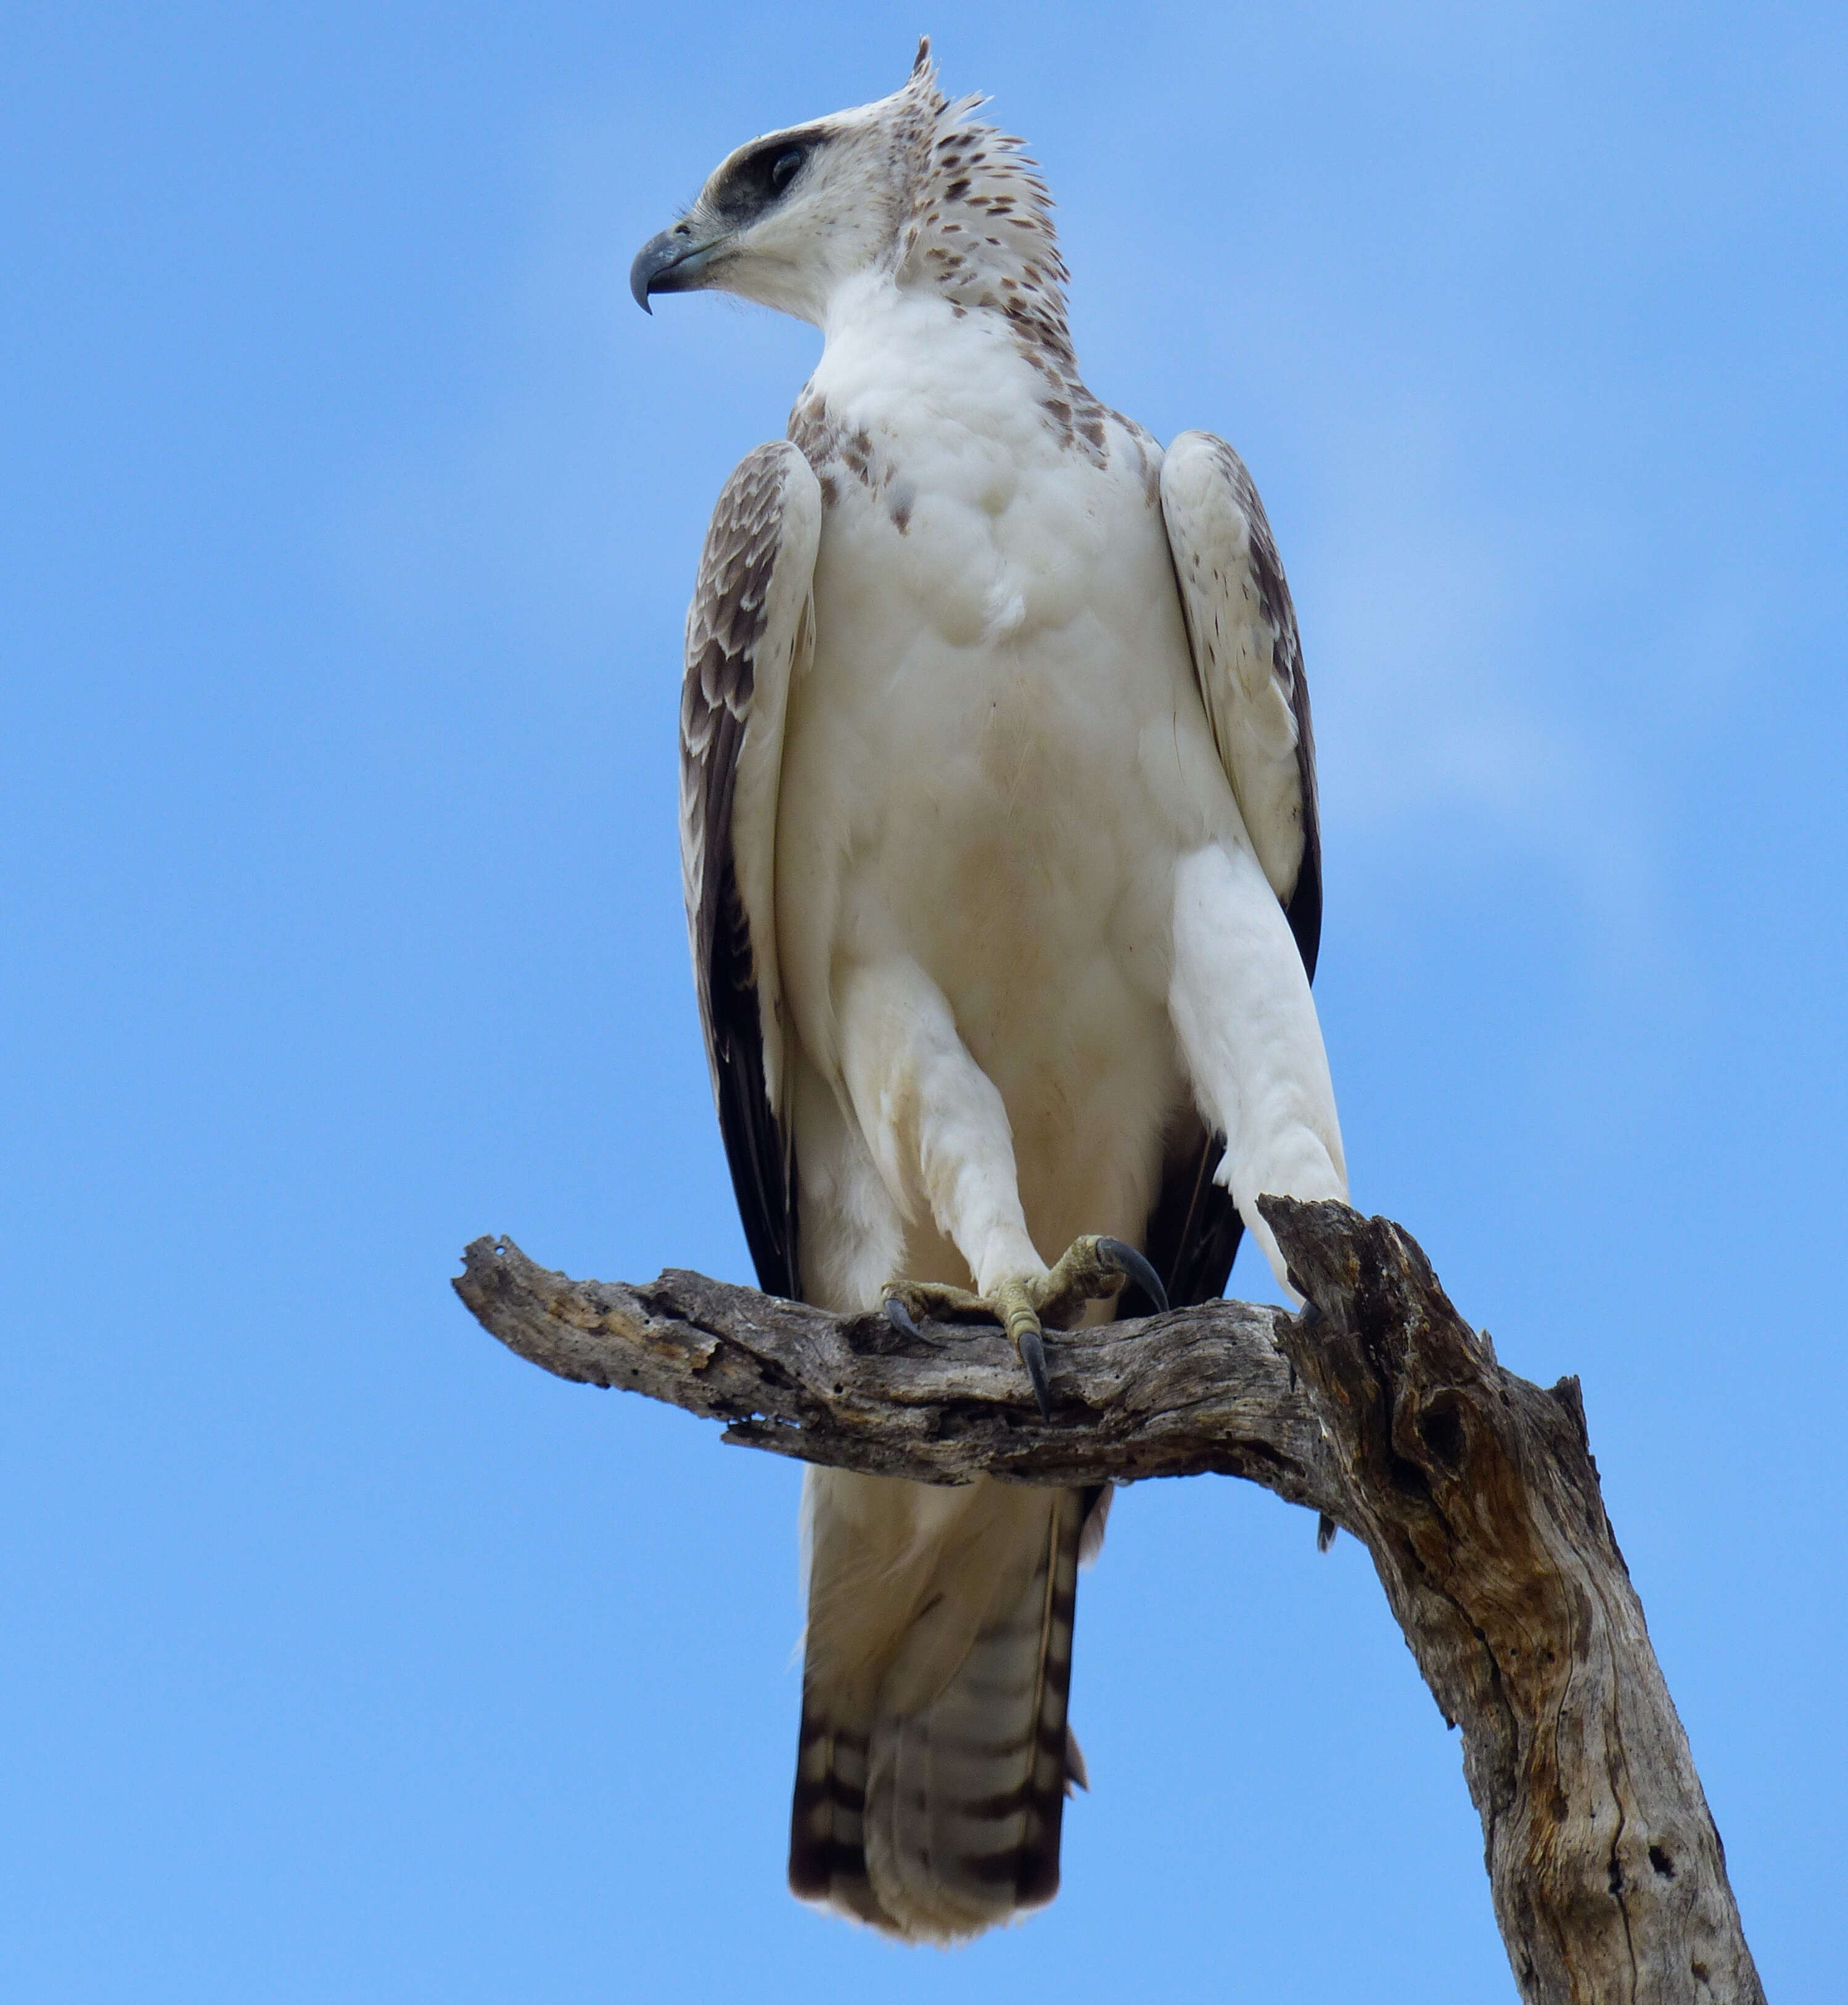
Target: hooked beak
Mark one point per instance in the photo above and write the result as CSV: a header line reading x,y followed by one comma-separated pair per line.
x,y
672,263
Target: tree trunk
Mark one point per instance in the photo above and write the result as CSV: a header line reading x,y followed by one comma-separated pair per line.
x,y
1475,1491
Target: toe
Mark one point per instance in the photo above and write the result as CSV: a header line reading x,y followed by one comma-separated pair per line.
x,y
1127,1260
1018,1305
1032,1346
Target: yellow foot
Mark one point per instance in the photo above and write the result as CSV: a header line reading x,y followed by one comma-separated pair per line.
x,y
1090,1269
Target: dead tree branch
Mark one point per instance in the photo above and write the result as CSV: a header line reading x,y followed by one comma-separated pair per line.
x,y
1474,1490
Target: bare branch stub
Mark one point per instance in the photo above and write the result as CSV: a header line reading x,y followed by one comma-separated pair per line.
x,y
1476,1493
1474,1490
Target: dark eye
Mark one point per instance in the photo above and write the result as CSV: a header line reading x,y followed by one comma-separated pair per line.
x,y
783,170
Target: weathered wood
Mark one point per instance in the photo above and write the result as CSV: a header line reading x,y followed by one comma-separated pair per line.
x,y
1203,1390
1475,1491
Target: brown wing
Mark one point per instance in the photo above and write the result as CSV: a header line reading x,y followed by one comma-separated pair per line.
x,y
1241,628
747,622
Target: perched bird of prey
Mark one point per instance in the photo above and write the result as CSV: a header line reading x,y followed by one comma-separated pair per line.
x,y
998,822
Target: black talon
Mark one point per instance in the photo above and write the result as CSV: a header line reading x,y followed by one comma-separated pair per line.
x,y
1308,1315
1129,1262
900,1316
1033,1355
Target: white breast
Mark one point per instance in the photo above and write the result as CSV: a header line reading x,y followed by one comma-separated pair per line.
x,y
999,751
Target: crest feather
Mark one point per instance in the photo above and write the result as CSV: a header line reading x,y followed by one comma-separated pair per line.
x,y
982,217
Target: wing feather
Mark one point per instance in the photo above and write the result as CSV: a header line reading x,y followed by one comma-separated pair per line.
x,y
1242,629
747,631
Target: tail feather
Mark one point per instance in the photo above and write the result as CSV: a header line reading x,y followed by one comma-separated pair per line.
x,y
936,1812
827,1848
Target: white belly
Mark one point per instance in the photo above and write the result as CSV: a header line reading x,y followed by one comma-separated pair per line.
x,y
993,766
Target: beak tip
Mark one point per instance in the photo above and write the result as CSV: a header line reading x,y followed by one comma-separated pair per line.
x,y
670,263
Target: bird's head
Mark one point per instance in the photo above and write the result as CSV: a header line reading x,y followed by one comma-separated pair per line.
x,y
789,217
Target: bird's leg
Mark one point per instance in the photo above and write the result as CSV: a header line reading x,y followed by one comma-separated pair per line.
x,y
1240,1001
1092,1268
936,1124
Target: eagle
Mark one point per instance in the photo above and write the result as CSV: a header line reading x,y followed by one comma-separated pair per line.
x,y
1003,879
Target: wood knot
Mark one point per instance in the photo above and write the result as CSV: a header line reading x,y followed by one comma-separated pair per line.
x,y
1440,1428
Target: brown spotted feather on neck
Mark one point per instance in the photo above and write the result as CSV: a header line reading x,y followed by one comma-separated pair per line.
x,y
980,233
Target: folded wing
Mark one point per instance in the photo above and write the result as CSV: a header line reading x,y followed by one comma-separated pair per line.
x,y
748,627
1242,629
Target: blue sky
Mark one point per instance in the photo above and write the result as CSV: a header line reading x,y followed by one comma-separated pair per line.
x,y
349,512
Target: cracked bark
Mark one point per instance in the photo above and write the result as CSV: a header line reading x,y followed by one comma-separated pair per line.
x,y
1473,1491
